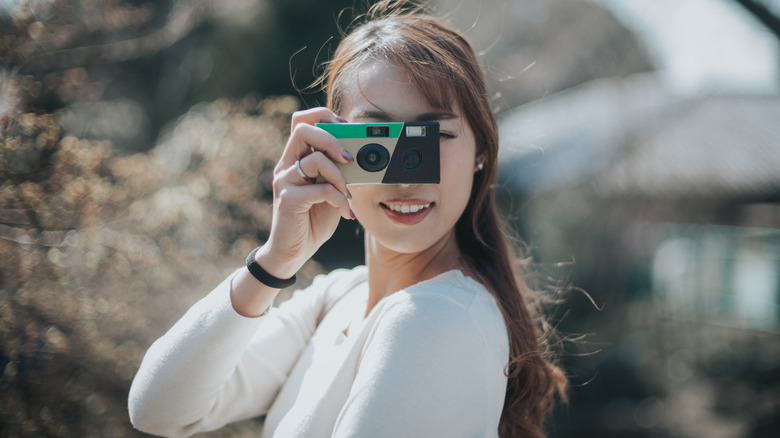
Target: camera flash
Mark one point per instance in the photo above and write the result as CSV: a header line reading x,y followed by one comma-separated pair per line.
x,y
416,131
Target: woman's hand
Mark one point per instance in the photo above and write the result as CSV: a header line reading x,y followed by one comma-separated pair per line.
x,y
305,215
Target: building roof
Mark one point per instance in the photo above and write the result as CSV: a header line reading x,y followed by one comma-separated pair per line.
x,y
631,137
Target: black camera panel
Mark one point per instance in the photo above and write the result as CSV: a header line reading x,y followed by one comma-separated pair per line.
x,y
415,158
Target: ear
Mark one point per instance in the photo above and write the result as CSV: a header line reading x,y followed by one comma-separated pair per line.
x,y
479,163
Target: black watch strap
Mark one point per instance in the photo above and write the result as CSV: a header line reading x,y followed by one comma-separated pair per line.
x,y
264,277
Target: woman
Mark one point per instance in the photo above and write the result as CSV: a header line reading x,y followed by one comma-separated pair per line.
x,y
431,338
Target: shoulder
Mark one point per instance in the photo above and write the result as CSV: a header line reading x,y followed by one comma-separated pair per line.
x,y
450,296
450,311
434,355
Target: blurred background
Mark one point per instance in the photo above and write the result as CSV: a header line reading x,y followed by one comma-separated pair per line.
x,y
640,163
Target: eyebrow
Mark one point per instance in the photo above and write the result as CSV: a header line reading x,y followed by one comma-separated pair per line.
x,y
425,117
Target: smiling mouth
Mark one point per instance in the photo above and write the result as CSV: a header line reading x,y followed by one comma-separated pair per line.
x,y
407,213
406,208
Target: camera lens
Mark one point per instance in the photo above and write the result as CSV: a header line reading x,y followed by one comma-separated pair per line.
x,y
373,157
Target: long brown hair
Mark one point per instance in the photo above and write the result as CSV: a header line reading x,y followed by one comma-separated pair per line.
x,y
443,66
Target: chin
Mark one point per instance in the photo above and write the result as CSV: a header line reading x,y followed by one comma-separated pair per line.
x,y
404,241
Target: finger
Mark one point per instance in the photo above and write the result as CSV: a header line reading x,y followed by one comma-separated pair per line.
x,y
305,197
318,165
308,138
323,167
311,117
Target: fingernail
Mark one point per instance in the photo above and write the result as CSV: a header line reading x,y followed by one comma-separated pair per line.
x,y
341,119
346,155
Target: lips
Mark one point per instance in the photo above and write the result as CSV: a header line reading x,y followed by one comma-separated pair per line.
x,y
408,211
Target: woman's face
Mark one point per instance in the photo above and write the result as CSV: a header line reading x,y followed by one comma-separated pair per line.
x,y
409,218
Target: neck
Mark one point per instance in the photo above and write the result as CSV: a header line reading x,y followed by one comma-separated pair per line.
x,y
390,271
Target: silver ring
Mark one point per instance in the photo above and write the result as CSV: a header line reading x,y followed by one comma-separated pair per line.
x,y
303,176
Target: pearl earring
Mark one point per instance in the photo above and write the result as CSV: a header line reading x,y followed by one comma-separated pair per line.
x,y
480,165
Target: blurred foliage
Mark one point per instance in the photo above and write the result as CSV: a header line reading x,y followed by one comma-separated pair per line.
x,y
53,43
100,250
162,56
99,253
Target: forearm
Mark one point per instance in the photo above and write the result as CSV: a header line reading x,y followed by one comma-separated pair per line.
x,y
250,297
215,366
184,371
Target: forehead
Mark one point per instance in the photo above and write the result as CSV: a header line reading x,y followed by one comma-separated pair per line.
x,y
379,86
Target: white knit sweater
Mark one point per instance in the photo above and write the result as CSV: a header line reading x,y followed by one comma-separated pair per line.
x,y
427,361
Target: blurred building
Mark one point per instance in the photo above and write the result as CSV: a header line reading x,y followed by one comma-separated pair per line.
x,y
695,182
664,189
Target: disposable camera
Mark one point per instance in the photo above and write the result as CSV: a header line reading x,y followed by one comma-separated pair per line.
x,y
389,153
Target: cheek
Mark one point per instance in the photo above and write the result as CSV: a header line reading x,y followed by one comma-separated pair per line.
x,y
361,198
457,173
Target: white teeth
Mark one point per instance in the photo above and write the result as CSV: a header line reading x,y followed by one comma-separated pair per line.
x,y
405,208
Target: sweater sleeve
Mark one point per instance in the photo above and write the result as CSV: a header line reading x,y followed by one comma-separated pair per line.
x,y
215,366
429,368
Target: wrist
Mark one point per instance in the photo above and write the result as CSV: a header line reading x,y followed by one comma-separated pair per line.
x,y
273,264
249,297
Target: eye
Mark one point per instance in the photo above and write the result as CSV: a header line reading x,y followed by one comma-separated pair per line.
x,y
447,135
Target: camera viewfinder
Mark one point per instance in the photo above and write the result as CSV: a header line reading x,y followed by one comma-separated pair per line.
x,y
377,131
